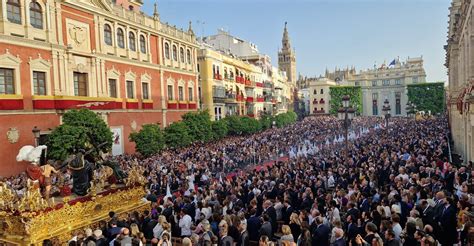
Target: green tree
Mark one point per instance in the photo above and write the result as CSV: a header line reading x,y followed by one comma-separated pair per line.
x,y
249,125
219,129
81,129
337,92
427,97
234,125
177,135
199,125
149,140
285,119
266,121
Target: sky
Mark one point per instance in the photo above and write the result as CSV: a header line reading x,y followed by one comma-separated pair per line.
x,y
325,33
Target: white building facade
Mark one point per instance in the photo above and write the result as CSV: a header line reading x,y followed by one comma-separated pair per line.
x,y
386,82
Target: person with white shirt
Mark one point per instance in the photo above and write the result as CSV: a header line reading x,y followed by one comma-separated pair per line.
x,y
207,211
185,223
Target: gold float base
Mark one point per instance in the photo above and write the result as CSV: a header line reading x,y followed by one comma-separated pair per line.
x,y
31,228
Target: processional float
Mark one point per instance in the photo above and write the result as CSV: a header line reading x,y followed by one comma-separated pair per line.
x,y
31,217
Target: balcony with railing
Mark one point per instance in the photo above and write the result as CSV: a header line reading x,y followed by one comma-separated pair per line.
x,y
240,98
218,92
230,97
217,76
249,83
240,80
229,78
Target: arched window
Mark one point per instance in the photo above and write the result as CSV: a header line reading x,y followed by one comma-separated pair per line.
x,y
181,54
36,15
188,56
131,41
120,38
107,34
142,44
14,11
167,51
130,7
175,53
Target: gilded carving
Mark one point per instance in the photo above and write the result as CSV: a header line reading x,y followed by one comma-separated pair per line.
x,y
33,226
13,135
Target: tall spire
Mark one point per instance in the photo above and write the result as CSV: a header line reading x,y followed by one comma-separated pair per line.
x,y
156,15
286,39
190,28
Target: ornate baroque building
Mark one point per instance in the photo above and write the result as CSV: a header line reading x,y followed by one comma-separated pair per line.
x,y
385,82
377,84
460,64
108,56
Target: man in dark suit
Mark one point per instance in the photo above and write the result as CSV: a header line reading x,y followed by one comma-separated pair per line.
x,y
320,236
271,211
353,211
148,224
439,207
364,205
253,226
448,223
287,211
352,229
244,239
427,213
114,230
266,229
339,234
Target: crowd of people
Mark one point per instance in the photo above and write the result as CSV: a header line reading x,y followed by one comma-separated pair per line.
x,y
391,185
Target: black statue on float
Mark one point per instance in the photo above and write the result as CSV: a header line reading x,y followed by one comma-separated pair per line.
x,y
82,171
83,164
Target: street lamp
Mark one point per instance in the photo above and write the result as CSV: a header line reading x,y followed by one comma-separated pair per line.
x,y
36,132
386,111
346,114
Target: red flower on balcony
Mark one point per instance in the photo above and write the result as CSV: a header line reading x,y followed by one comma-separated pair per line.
x,y
315,101
321,101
